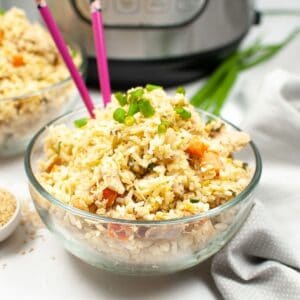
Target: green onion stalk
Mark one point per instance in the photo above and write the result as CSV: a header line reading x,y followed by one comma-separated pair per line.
x,y
213,94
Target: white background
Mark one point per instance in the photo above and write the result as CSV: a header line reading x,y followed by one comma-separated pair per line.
x,y
49,272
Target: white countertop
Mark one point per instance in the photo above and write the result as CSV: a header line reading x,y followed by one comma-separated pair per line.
x,y
42,269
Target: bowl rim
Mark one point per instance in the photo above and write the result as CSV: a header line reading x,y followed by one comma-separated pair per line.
x,y
82,68
94,217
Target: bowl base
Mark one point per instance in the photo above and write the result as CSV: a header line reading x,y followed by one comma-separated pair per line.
x,y
94,258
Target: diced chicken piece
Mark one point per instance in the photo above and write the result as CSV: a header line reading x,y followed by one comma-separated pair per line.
x,y
232,140
110,174
164,232
204,231
212,159
239,140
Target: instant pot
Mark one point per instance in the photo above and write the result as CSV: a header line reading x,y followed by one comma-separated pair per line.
x,y
162,41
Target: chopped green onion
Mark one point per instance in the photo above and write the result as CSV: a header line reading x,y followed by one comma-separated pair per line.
x,y
183,113
163,126
2,12
121,98
129,120
151,166
133,108
245,166
166,123
178,110
152,87
209,121
136,94
181,90
146,108
233,193
59,147
73,52
194,200
119,115
80,122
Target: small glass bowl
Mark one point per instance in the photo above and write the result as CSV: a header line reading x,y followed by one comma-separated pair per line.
x,y
22,116
140,247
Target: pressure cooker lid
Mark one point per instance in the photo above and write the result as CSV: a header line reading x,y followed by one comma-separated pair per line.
x,y
144,13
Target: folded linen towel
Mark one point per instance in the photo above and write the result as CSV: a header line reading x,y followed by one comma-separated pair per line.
x,y
263,260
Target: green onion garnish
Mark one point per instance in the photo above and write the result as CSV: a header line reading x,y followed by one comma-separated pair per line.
x,y
73,52
59,147
183,113
119,115
233,193
163,126
80,122
137,94
161,129
194,200
180,90
166,123
121,98
245,166
151,166
133,108
129,120
146,108
152,87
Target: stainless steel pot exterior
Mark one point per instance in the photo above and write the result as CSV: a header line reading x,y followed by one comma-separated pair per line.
x,y
158,29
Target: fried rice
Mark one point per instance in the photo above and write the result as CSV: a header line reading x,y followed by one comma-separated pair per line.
x,y
35,85
29,60
161,165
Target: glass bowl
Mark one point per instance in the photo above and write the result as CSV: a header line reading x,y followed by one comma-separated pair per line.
x,y
22,116
140,247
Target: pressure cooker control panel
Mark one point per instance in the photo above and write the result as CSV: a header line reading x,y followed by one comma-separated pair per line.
x,y
144,13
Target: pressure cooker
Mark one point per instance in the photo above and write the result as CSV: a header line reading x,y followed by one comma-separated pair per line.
x,y
159,41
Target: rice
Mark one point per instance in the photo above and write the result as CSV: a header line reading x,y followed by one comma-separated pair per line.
x,y
152,175
29,66
29,60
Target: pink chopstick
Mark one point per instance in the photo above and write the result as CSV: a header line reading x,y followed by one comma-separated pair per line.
x,y
99,38
63,49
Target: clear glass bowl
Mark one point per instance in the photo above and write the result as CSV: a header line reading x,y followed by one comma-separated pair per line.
x,y
140,247
22,116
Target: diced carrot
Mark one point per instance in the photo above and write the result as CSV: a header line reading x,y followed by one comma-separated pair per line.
x,y
1,36
120,232
213,159
114,227
18,61
122,235
110,196
197,148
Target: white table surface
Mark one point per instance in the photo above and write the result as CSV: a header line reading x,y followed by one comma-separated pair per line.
x,y
49,272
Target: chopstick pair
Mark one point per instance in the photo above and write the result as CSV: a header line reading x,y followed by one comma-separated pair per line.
x,y
98,31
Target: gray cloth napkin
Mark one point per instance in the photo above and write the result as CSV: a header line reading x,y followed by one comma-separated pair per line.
x,y
263,260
